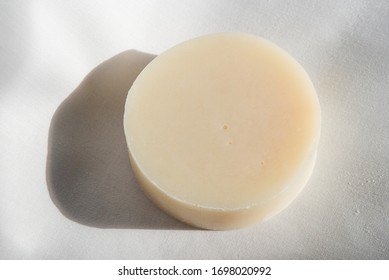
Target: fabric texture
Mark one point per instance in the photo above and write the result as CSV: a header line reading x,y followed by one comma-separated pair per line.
x,y
66,188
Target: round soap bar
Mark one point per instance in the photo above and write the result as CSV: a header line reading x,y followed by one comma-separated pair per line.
x,y
222,130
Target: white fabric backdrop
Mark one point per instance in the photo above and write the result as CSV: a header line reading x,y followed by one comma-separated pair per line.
x,y
67,192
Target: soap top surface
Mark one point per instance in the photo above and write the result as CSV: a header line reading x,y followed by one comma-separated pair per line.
x,y
222,121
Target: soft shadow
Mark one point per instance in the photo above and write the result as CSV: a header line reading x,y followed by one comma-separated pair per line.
x,y
88,172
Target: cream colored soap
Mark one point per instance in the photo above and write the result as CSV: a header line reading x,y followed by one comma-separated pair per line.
x,y
222,130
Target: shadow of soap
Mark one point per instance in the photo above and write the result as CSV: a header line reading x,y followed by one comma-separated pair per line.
x,y
88,173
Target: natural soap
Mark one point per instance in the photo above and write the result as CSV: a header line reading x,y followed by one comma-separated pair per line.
x,y
222,130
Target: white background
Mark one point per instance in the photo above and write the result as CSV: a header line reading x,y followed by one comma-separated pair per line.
x,y
60,201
